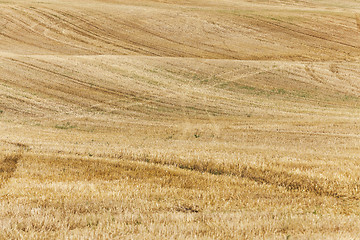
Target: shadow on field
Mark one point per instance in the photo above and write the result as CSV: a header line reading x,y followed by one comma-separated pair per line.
x,y
268,175
8,167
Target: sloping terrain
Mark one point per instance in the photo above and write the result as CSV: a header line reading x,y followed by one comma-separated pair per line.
x,y
225,30
179,119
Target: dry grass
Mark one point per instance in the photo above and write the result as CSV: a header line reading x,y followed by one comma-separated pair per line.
x,y
54,197
8,167
179,119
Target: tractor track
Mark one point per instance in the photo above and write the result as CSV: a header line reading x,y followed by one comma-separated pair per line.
x,y
150,99
312,35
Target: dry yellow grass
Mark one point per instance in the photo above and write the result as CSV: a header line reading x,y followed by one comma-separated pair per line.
x,y
179,119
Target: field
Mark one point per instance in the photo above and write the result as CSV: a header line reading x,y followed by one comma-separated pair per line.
x,y
190,119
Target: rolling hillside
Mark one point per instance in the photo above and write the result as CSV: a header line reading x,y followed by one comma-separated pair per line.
x,y
164,119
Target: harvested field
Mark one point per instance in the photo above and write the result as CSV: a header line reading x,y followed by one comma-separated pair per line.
x,y
179,119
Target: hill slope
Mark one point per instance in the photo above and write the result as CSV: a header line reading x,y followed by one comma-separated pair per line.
x,y
179,119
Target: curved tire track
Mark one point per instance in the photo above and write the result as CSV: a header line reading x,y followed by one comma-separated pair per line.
x,y
312,35
289,181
